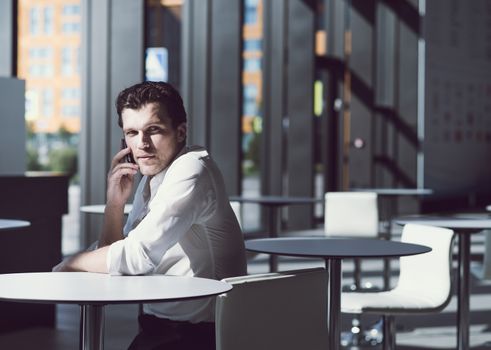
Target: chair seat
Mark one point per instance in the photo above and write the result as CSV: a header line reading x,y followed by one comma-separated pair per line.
x,y
391,302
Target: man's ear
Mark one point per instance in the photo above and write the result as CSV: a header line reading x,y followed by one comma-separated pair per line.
x,y
181,132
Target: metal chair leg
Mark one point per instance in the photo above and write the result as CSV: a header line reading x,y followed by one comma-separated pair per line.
x,y
357,274
389,340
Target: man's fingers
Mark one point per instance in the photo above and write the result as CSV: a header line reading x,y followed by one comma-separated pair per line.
x,y
122,169
119,157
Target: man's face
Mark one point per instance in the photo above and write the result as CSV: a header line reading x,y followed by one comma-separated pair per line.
x,y
154,143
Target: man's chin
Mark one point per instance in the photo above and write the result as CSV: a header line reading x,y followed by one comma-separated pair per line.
x,y
149,170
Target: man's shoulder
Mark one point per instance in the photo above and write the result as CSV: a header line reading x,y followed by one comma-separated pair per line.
x,y
193,158
197,152
194,154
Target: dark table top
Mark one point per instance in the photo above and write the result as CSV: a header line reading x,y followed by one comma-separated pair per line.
x,y
397,191
334,248
451,222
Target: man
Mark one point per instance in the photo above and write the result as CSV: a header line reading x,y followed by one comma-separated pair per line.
x,y
181,222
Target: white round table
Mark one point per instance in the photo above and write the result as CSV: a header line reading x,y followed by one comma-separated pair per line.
x,y
92,291
99,208
7,224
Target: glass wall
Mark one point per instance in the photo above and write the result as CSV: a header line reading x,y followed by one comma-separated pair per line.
x,y
252,113
163,41
48,59
163,35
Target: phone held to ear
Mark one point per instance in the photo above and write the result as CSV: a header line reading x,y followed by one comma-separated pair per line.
x,y
129,157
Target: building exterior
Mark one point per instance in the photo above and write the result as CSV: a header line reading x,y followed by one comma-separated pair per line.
x,y
48,58
252,69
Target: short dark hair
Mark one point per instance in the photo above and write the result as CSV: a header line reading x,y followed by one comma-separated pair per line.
x,y
163,94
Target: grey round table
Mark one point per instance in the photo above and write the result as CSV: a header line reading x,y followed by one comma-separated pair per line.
x,y
391,194
333,250
273,204
8,224
463,227
397,191
92,291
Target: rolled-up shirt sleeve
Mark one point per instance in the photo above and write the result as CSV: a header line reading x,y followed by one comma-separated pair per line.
x,y
185,197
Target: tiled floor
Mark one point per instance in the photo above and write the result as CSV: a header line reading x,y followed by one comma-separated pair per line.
x,y
414,332
120,328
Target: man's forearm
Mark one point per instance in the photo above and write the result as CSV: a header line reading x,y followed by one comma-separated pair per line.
x,y
112,228
87,261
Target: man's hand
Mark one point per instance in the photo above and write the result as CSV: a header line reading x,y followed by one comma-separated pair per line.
x,y
120,179
63,266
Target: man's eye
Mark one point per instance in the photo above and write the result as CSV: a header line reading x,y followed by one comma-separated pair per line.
x,y
154,130
130,133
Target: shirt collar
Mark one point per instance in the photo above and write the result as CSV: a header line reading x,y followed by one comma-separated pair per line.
x,y
157,179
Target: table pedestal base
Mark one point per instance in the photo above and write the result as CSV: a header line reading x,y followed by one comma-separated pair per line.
x,y
463,290
92,327
333,267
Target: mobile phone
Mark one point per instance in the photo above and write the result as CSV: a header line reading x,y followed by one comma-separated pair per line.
x,y
129,157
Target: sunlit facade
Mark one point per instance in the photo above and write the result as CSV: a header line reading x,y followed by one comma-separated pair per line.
x,y
48,58
252,69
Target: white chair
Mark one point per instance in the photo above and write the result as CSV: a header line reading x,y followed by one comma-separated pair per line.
x,y
352,214
284,310
424,284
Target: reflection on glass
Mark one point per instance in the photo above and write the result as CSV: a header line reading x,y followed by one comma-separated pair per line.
x,y
156,64
48,20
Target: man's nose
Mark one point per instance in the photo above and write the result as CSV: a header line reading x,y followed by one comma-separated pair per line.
x,y
143,141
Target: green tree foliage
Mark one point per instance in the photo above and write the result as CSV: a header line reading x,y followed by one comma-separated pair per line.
x,y
32,159
64,160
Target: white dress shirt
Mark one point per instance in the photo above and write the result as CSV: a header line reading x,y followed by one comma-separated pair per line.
x,y
188,229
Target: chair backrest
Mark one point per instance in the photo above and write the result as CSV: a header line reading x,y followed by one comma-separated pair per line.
x,y
427,275
284,310
236,208
353,214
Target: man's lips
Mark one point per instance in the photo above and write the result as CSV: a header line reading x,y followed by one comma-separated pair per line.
x,y
145,157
